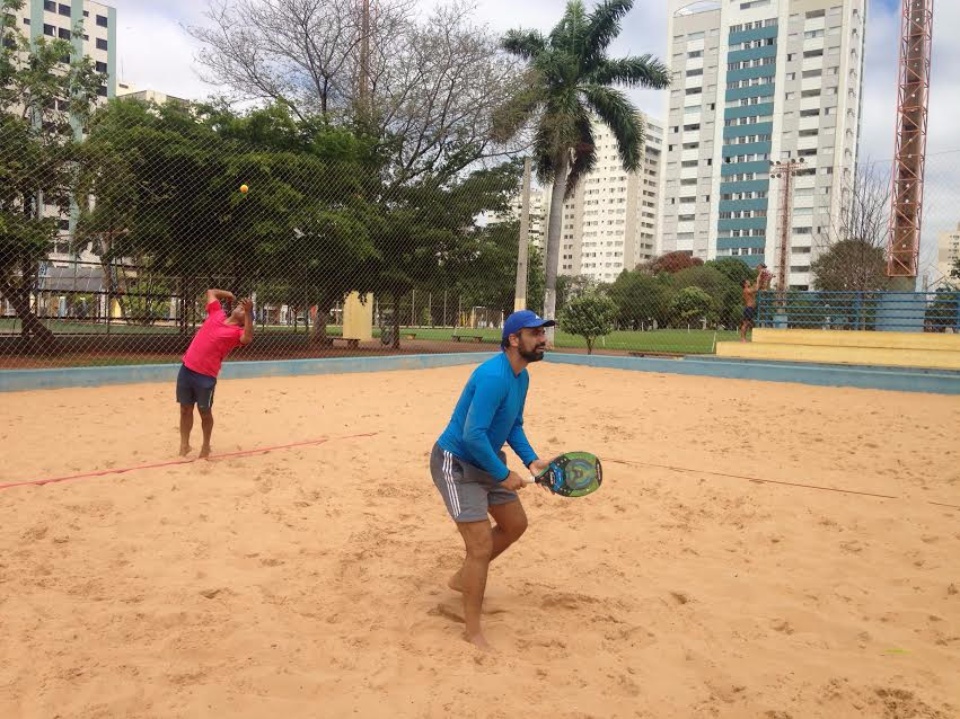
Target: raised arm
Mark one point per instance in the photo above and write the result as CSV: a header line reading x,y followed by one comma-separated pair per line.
x,y
219,296
247,336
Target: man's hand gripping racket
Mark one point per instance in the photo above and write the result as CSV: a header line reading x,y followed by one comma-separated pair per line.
x,y
571,474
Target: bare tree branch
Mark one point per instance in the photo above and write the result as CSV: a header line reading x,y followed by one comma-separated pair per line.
x,y
435,84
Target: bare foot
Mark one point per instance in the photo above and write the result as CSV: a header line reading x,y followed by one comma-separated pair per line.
x,y
204,451
185,449
479,641
456,583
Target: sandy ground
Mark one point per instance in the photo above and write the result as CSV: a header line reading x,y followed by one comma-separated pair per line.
x,y
309,582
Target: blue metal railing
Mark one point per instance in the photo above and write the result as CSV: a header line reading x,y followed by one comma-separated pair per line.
x,y
875,311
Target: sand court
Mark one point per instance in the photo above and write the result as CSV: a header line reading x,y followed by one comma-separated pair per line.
x,y
309,580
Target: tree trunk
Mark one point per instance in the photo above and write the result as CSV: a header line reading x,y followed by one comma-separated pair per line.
x,y
19,297
554,231
319,336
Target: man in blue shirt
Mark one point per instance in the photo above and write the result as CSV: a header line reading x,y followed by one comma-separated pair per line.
x,y
469,466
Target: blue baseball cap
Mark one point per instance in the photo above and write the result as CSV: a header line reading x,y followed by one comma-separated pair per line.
x,y
523,319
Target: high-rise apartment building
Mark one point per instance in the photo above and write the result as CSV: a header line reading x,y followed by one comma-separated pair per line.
x,y
755,82
57,20
536,214
948,252
98,41
610,223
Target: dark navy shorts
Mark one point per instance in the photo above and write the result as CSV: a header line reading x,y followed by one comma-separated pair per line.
x,y
749,313
195,388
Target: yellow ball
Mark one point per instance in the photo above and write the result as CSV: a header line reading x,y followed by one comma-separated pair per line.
x,y
243,189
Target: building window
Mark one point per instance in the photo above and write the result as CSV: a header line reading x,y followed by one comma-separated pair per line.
x,y
64,33
101,67
49,6
101,44
64,10
101,21
49,30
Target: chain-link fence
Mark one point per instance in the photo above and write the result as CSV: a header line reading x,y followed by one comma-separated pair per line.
x,y
110,243
369,228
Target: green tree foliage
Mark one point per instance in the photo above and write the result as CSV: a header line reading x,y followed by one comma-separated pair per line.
x,y
733,269
47,92
590,316
851,266
166,181
725,296
944,311
693,304
642,301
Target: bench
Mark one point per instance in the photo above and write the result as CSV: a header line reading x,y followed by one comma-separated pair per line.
x,y
475,338
666,355
352,344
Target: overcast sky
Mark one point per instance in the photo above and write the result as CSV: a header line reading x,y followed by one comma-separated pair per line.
x,y
154,51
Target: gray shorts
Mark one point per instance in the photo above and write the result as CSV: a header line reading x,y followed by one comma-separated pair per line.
x,y
467,491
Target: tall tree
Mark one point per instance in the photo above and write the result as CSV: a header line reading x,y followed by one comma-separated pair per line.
x,y
851,249
851,266
735,269
671,262
642,300
570,82
47,92
426,89
166,181
864,210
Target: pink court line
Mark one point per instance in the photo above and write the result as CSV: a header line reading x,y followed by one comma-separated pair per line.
x,y
173,462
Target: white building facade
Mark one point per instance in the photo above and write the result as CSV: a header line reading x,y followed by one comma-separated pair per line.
x,y
948,252
38,19
759,81
610,223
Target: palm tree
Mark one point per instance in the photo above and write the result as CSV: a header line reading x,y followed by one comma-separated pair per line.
x,y
569,79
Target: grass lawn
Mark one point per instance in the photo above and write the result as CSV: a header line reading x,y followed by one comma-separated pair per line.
x,y
681,341
667,341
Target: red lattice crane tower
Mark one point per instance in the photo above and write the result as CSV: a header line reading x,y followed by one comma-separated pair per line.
x,y
916,36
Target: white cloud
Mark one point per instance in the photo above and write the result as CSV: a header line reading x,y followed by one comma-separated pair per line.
x,y
153,49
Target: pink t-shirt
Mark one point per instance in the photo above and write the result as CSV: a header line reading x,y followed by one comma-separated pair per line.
x,y
213,342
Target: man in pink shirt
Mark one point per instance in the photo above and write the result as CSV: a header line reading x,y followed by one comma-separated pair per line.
x,y
215,339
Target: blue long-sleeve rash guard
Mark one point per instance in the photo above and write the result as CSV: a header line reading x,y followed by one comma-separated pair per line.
x,y
488,414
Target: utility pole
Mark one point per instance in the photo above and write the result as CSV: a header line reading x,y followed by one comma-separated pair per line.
x,y
787,170
365,58
520,296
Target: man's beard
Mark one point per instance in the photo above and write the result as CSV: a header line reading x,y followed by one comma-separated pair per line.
x,y
533,355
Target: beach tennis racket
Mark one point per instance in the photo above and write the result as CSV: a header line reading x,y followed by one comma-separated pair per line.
x,y
571,474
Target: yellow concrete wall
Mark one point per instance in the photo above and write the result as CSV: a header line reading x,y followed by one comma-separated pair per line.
x,y
929,341
886,357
